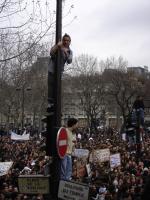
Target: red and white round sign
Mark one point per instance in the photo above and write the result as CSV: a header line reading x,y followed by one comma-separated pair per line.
x,y
62,142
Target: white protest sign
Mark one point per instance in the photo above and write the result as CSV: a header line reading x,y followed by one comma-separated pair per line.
x,y
115,160
73,191
124,136
15,136
4,167
100,155
81,153
88,169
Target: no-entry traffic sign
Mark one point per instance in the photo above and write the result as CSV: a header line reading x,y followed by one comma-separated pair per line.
x,y
62,142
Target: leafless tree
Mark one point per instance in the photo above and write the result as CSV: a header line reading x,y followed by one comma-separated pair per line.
x,y
34,19
16,78
87,84
121,85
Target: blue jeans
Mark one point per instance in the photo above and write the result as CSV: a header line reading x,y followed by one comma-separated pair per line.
x,y
66,168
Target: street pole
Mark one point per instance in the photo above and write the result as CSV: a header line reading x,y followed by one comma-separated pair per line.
x,y
57,95
22,117
55,167
22,90
54,110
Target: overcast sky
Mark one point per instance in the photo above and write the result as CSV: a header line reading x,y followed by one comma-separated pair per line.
x,y
105,28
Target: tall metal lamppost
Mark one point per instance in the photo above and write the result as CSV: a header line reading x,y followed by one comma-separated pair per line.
x,y
22,90
54,111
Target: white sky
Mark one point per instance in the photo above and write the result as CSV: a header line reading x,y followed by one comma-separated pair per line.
x,y
105,28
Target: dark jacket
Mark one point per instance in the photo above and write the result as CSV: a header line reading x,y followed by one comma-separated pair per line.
x,y
138,104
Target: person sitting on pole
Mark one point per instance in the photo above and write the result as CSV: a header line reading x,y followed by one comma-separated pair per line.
x,y
138,107
66,162
66,52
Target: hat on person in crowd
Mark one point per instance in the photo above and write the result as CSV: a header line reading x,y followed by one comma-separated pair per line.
x,y
102,190
145,169
26,169
115,182
33,163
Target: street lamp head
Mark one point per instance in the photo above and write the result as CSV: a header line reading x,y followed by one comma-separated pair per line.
x,y
28,88
18,89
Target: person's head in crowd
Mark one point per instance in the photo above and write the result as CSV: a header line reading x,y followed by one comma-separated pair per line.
x,y
145,170
102,189
25,197
115,182
133,179
40,197
72,123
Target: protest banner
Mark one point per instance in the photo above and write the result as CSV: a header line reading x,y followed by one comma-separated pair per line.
x,y
99,155
115,160
81,153
23,137
5,167
73,191
33,184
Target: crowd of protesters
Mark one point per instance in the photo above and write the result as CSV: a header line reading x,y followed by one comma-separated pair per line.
x,y
29,157
125,182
